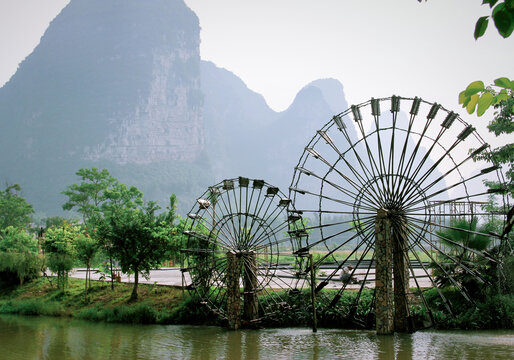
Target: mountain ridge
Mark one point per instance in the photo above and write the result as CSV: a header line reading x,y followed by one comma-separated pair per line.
x,y
127,90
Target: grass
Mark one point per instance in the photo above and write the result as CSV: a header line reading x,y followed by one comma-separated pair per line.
x,y
156,304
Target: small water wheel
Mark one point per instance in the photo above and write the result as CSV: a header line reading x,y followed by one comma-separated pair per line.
x,y
240,236
397,195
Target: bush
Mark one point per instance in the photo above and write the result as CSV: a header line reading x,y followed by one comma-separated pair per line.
x,y
19,258
141,313
491,312
31,307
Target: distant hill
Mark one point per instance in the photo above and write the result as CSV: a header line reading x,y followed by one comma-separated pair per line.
x,y
245,137
119,84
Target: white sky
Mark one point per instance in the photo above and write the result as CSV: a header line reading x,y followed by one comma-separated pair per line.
x,y
376,48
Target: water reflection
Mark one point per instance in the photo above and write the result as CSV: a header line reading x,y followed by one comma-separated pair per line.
x,y
50,338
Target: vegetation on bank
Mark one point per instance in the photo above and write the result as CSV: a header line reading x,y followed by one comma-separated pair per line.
x,y
156,304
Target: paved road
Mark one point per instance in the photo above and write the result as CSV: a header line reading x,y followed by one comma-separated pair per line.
x,y
173,276
163,276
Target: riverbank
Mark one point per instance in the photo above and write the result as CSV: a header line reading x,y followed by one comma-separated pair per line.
x,y
161,304
156,304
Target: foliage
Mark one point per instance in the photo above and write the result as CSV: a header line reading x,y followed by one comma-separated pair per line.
x,y
477,96
31,307
98,193
491,312
138,314
14,209
120,195
139,240
97,196
463,239
178,241
504,155
87,196
56,221
459,260
502,15
18,255
177,237
86,248
157,304
171,215
500,95
347,313
59,246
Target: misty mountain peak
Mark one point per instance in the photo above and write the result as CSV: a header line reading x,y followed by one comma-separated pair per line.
x,y
333,93
308,99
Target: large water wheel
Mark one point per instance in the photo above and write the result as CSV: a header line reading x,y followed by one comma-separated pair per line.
x,y
385,188
240,250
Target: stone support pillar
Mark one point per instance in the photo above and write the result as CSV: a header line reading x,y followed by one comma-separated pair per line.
x,y
233,292
250,305
401,277
383,275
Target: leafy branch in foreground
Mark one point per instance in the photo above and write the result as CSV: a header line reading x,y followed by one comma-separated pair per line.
x,y
477,96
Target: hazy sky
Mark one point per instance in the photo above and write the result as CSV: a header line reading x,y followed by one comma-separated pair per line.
x,y
376,48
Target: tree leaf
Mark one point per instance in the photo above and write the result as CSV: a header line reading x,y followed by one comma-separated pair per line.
x,y
463,97
472,103
503,20
466,101
484,103
502,95
481,26
490,2
475,87
498,8
503,82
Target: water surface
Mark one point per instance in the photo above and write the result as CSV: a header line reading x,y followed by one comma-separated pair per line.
x,y
57,338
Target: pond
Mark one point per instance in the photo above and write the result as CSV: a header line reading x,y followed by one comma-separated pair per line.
x,y
63,338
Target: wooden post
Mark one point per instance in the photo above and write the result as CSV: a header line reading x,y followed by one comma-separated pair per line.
x,y
313,296
183,283
401,277
383,275
233,293
250,304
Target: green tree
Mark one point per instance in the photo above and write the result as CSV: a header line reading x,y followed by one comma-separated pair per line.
x,y
88,196
115,197
177,238
139,240
14,209
86,248
171,215
18,255
178,241
120,195
98,195
59,246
